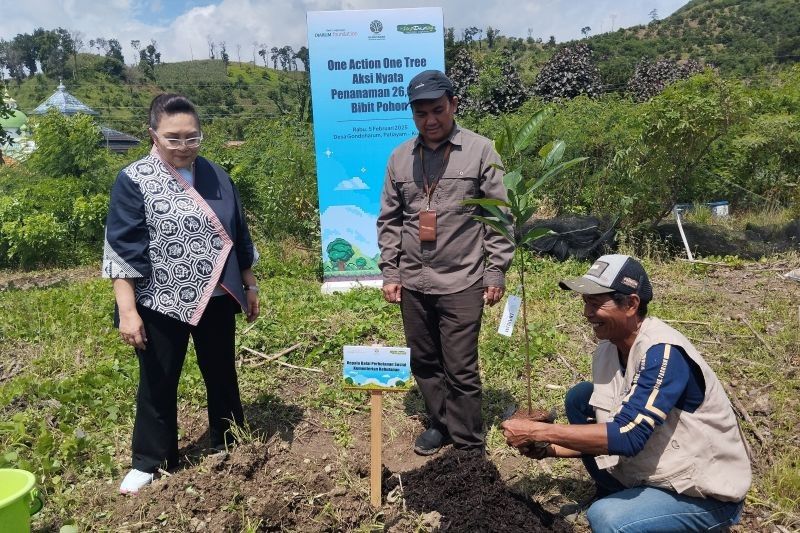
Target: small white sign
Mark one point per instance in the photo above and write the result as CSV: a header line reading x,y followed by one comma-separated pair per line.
x,y
510,313
376,367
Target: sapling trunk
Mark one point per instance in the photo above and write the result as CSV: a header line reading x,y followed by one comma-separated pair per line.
x,y
521,267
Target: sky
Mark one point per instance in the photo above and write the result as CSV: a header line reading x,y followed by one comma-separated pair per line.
x,y
182,28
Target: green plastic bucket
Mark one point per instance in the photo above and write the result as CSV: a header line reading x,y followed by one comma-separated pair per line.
x,y
17,500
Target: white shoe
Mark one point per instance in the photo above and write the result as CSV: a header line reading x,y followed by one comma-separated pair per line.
x,y
135,480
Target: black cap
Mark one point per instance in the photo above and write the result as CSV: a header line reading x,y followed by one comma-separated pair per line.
x,y
613,273
429,85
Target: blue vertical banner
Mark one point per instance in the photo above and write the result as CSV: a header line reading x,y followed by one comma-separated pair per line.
x,y
360,66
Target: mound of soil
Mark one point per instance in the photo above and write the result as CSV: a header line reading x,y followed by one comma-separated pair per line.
x,y
274,488
753,243
468,493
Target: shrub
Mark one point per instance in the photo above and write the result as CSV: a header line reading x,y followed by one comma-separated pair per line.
x,y
569,73
34,240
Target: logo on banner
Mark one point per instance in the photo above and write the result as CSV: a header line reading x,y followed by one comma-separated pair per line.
x,y
335,33
416,28
376,27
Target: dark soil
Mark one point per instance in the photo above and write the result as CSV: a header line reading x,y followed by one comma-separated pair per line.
x,y
753,243
468,492
270,485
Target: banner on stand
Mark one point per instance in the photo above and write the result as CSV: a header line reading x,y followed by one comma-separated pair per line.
x,y
360,65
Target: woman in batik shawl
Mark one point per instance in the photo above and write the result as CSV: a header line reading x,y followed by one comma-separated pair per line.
x,y
180,256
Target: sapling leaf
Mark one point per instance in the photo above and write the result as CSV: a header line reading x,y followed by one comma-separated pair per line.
x,y
512,179
483,202
496,213
555,154
535,233
525,134
497,225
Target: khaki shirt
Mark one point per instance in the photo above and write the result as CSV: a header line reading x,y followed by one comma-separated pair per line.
x,y
465,251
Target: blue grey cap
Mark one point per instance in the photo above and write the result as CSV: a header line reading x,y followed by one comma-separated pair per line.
x,y
429,85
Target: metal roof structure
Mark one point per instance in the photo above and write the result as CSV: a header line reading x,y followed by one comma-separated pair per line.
x,y
64,102
117,141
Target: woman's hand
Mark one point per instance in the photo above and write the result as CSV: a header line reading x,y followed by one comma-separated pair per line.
x,y
252,305
131,329
251,294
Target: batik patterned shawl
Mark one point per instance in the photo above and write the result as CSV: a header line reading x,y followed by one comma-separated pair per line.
x,y
188,245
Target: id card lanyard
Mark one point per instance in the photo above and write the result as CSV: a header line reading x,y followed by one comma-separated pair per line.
x,y
427,218
430,182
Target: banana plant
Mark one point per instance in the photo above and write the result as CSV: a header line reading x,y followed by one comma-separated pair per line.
x,y
522,186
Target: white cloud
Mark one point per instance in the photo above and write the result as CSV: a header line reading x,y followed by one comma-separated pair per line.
x,y
353,184
352,224
282,22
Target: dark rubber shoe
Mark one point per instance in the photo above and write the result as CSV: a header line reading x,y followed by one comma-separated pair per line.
x,y
430,442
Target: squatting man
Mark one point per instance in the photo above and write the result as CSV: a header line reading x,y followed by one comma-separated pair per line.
x,y
654,429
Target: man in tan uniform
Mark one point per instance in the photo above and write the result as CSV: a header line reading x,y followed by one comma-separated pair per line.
x,y
654,428
439,263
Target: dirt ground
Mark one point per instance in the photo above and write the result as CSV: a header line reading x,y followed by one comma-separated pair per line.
x,y
294,476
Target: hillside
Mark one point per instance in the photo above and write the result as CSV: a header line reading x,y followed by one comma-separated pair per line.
x,y
743,38
240,91
740,37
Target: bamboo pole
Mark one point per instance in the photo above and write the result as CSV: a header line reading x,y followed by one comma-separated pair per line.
x,y
376,442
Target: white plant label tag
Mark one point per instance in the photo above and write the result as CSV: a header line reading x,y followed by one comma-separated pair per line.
x,y
510,313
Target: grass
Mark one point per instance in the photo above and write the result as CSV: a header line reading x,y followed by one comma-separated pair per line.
x,y
67,415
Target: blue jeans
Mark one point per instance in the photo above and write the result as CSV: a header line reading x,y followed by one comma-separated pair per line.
x,y
643,508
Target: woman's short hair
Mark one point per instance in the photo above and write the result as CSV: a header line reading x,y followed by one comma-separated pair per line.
x,y
170,104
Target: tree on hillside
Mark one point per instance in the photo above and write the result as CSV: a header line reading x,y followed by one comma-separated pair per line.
x,y
464,74
223,53
3,59
651,77
13,59
491,36
273,56
468,34
23,55
262,51
136,44
211,47
100,44
77,46
586,30
568,73
499,89
679,128
114,63
302,55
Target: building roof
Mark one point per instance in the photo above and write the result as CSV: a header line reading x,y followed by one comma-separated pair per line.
x,y
65,103
117,141
17,118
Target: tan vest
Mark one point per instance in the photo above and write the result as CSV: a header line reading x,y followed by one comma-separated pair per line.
x,y
701,454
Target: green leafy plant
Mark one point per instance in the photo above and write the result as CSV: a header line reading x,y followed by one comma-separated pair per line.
x,y
522,187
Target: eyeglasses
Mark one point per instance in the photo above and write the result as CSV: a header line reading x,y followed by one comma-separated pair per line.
x,y
174,144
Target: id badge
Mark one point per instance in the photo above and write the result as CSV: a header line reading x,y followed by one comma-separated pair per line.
x,y
427,226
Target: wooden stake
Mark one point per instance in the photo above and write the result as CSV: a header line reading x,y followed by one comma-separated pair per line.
x,y
376,446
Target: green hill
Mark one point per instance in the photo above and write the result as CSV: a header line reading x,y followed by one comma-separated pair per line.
x,y
237,92
740,37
